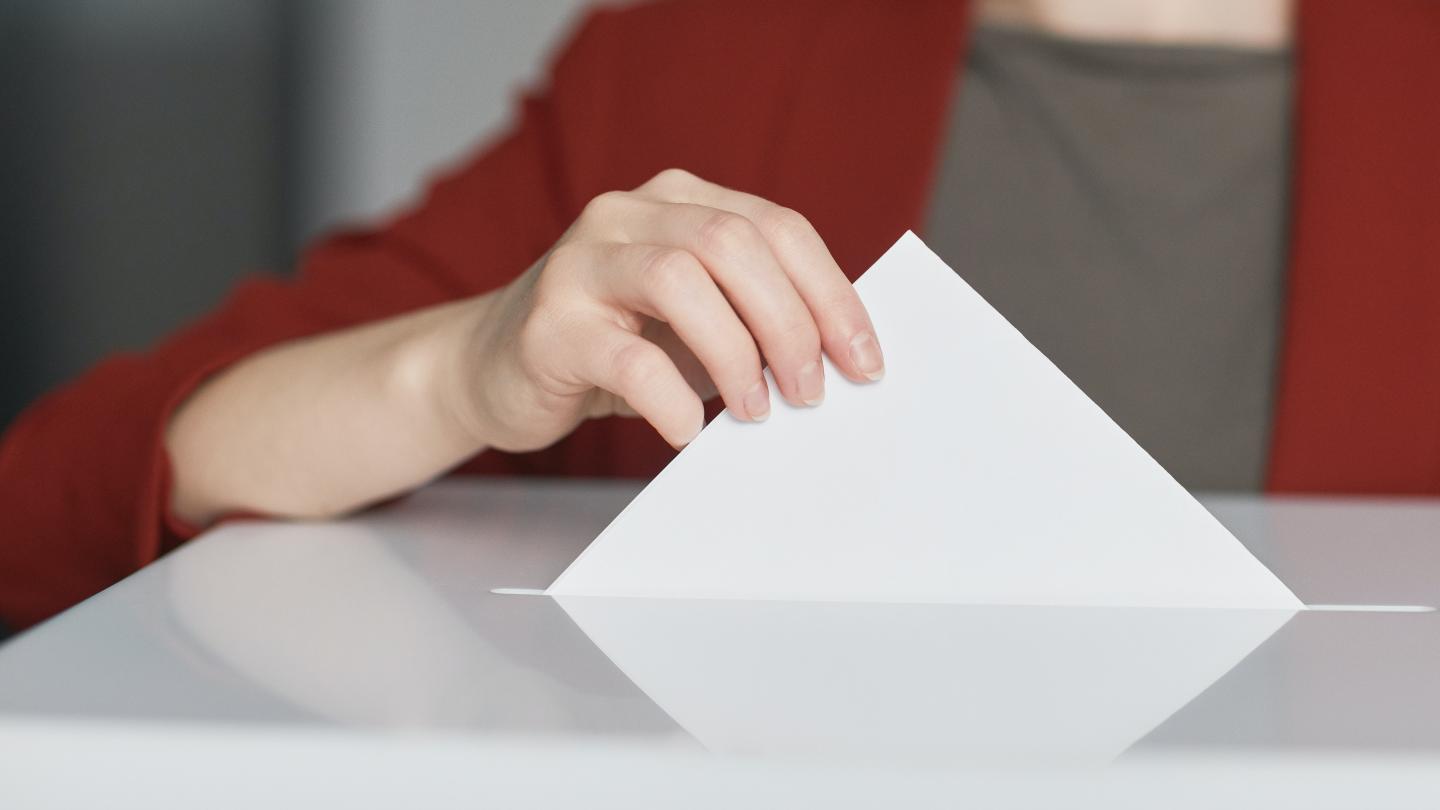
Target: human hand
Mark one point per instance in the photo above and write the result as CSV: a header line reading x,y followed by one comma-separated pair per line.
x,y
653,299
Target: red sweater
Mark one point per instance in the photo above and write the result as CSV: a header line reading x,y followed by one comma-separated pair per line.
x,y
833,108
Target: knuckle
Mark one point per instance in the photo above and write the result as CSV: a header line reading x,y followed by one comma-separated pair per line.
x,y
798,336
602,207
669,270
672,178
725,234
634,366
786,226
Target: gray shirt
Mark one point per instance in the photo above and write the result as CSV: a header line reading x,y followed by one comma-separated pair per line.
x,y
1124,206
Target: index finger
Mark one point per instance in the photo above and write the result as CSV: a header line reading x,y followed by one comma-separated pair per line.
x,y
846,332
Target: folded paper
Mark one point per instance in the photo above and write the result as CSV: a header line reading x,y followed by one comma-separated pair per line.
x,y
975,472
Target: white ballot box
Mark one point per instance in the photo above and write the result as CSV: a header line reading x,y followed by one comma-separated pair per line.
x,y
371,661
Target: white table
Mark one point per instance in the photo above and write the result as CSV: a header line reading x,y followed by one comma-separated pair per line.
x,y
368,661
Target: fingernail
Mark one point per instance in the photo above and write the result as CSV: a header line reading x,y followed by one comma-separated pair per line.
x,y
694,432
865,353
810,383
757,403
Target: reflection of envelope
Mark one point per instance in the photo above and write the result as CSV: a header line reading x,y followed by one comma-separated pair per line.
x,y
889,681
975,472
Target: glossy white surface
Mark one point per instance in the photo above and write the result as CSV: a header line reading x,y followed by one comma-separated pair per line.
x,y
258,639
918,683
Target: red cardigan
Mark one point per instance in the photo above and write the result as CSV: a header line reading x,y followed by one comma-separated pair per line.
x,y
835,108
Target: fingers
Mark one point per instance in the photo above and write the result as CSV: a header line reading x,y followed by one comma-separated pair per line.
x,y
742,264
640,373
739,280
672,286
846,332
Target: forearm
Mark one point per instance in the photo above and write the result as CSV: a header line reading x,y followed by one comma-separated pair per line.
x,y
321,426
651,300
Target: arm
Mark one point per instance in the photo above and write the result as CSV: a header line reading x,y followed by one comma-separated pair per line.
x,y
653,299
322,425
86,483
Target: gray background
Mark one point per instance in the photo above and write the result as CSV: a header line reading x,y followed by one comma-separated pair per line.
x,y
154,151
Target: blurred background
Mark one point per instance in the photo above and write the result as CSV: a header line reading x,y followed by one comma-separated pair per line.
x,y
157,150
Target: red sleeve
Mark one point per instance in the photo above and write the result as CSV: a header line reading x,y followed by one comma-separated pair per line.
x,y
83,472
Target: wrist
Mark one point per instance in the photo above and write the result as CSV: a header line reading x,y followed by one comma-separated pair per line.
x,y
434,370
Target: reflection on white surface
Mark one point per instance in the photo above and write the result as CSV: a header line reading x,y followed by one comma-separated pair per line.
x,y
279,604
389,620
330,619
335,621
918,682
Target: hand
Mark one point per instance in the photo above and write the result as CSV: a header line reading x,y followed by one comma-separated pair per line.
x,y
653,299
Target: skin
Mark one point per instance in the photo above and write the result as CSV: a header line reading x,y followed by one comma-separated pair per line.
x,y
653,300
1235,23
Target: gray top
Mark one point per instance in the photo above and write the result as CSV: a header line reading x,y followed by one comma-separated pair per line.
x,y
1125,207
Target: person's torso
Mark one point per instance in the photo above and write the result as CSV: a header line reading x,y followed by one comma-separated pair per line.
x,y
1125,207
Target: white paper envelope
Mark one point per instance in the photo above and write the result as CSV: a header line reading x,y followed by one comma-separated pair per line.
x,y
975,472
